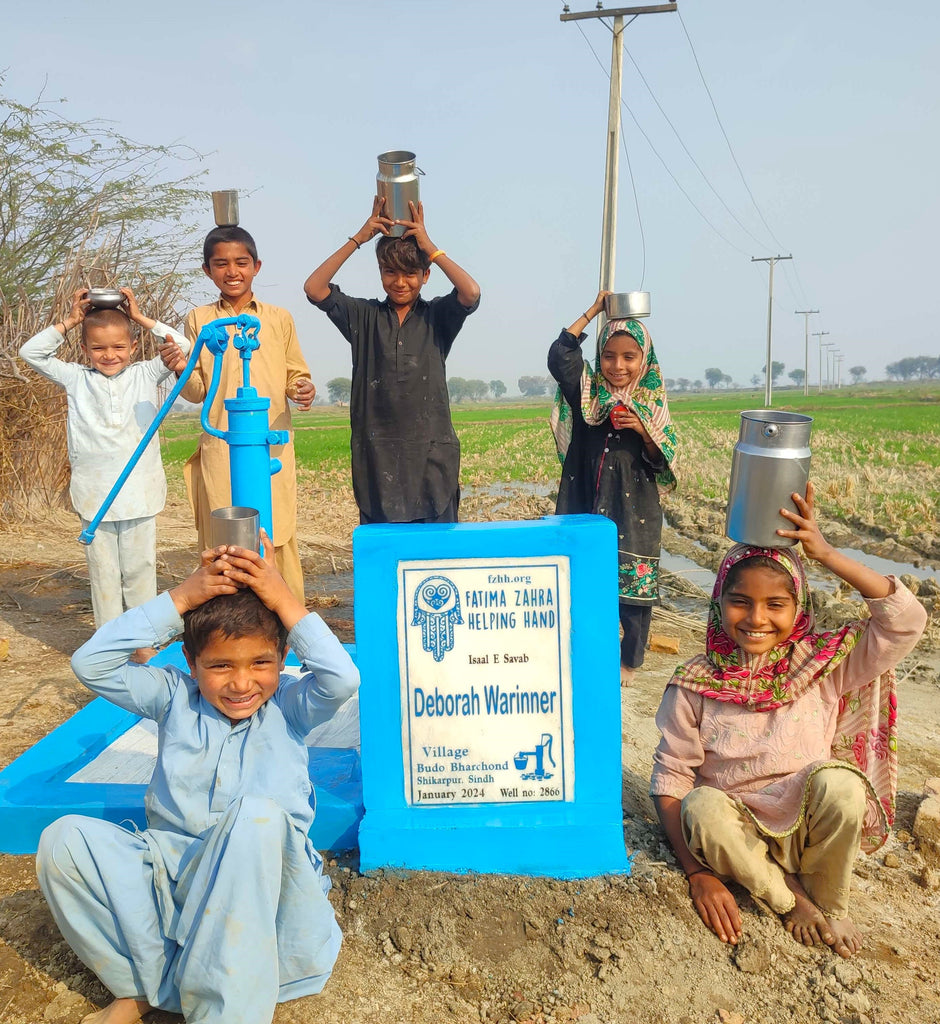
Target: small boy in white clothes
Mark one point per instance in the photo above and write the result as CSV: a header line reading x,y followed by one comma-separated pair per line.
x,y
111,403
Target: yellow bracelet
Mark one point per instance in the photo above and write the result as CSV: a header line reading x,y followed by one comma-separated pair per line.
x,y
435,254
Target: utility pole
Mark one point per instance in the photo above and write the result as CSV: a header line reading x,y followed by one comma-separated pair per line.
x,y
819,335
612,170
828,346
768,376
838,360
805,313
837,356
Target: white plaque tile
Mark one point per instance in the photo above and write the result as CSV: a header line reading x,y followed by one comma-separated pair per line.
x,y
484,649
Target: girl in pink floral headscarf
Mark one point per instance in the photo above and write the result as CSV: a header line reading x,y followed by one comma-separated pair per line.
x,y
778,757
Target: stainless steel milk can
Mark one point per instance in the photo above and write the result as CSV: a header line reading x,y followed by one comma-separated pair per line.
x,y
770,462
397,183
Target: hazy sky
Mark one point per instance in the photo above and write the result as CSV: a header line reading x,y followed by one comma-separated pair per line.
x,y
831,110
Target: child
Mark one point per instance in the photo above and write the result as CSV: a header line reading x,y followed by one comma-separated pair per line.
x,y
778,757
618,446
218,910
111,403
405,454
278,372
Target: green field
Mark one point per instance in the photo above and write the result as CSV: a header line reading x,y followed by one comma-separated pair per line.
x,y
876,449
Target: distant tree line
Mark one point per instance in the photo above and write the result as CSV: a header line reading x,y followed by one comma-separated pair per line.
x,y
914,368
532,387
462,389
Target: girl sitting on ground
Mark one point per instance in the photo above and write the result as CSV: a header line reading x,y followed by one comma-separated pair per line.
x,y
778,757
618,447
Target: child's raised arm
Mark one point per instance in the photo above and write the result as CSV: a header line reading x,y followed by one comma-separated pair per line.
x,y
581,324
317,285
170,351
468,291
80,306
40,350
867,582
208,581
133,311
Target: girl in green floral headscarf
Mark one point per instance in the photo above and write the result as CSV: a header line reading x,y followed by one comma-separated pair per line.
x,y
618,448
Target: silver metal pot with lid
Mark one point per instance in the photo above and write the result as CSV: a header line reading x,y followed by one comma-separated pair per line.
x,y
770,462
397,184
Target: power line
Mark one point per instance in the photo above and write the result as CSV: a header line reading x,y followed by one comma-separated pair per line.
x,y
800,299
724,133
636,202
675,180
695,163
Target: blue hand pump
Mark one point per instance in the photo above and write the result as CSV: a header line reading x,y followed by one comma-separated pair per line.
x,y
249,437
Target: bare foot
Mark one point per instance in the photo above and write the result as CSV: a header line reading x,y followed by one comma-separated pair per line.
x,y
848,939
626,675
806,922
142,655
121,1011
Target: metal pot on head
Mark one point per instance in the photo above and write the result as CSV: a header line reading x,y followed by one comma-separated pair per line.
x,y
627,305
225,207
105,298
397,184
770,462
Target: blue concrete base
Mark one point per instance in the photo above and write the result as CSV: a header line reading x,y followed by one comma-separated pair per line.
x,y
34,790
574,845
577,834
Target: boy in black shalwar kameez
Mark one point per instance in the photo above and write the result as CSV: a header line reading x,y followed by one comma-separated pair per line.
x,y
618,447
405,453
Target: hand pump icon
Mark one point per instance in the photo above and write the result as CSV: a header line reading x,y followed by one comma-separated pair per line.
x,y
542,750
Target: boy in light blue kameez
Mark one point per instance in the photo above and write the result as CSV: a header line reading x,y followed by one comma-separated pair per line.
x,y
218,910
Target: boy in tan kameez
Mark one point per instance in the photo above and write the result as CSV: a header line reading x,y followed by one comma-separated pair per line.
x,y
278,371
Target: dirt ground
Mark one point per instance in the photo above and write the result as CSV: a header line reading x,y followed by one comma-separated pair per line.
x,y
434,948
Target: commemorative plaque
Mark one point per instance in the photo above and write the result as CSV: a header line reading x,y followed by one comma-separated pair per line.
x,y
486,680
490,697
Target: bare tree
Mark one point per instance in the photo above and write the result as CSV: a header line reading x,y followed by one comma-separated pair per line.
x,y
79,206
69,186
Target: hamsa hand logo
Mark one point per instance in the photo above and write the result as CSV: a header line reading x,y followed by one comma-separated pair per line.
x,y
437,611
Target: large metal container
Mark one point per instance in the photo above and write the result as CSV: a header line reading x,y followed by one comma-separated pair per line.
x,y
770,462
397,184
627,305
225,207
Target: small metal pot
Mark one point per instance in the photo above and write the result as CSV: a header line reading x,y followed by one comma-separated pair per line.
x,y
627,305
236,525
225,207
105,298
